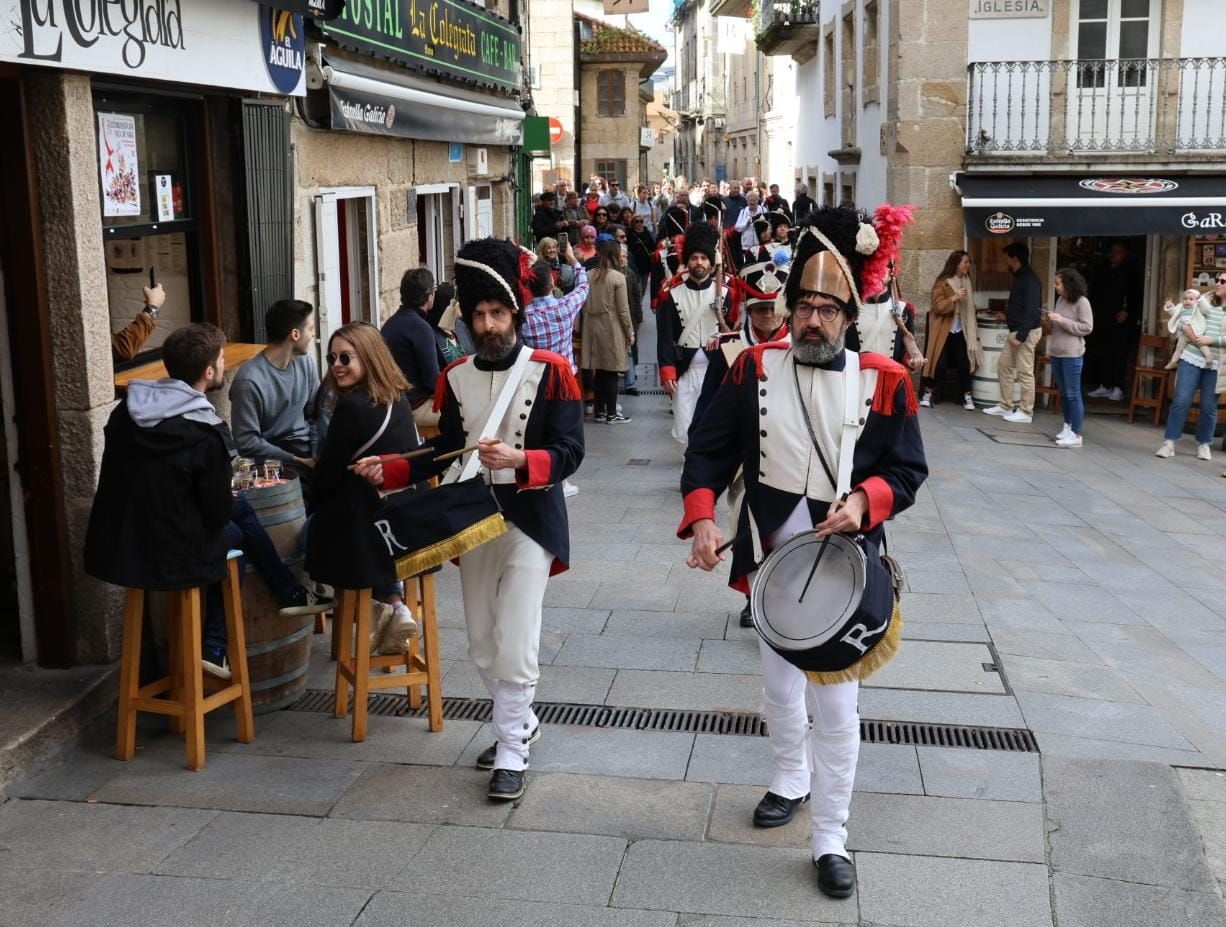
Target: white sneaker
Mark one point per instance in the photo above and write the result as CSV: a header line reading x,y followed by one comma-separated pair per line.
x,y
1116,395
1065,431
968,403
1069,440
996,410
1101,393
569,489
1018,417
1202,452
1165,449
926,401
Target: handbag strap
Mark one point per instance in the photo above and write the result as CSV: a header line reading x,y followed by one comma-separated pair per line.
x,y
519,371
377,435
847,436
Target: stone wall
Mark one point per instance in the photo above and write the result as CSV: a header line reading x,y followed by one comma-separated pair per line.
x,y
551,49
610,138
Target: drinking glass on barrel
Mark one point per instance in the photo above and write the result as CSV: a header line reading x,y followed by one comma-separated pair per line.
x,y
272,470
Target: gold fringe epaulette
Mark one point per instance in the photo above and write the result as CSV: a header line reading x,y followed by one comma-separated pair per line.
x,y
427,558
876,658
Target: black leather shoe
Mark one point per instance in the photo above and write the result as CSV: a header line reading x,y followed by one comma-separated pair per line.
x,y
775,810
485,760
836,876
746,618
507,784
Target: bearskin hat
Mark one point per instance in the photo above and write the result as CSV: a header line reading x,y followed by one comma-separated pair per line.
x,y
762,224
700,239
676,218
712,207
492,268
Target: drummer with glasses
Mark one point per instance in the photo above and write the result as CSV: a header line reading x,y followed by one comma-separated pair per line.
x,y
779,415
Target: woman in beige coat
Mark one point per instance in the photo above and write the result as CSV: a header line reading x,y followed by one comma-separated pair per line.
x,y
607,332
953,333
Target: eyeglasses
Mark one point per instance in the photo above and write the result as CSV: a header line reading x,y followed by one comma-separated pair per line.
x,y
1221,279
825,313
602,213
344,358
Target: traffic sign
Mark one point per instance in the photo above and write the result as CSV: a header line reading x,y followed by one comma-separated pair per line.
x,y
555,131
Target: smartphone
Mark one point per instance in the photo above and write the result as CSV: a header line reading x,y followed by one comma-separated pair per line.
x,y
563,242
152,278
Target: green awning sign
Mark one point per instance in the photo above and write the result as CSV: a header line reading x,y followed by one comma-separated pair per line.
x,y
453,38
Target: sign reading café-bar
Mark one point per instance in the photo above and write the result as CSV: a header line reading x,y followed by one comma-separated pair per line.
x,y
454,38
1009,9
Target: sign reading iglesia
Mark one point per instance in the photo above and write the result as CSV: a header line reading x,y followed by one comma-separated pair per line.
x,y
1009,9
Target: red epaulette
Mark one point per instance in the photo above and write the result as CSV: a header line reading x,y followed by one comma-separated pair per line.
x,y
561,383
674,281
740,368
440,386
889,374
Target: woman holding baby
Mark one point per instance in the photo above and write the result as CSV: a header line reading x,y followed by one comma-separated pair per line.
x,y
1070,321
1198,372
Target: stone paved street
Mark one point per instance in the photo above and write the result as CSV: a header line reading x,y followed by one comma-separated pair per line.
x,y
1077,594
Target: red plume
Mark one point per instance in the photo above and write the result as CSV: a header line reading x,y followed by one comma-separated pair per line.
x,y
889,222
526,276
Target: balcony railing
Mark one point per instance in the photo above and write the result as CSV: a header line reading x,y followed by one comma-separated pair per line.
x,y
789,27
1138,105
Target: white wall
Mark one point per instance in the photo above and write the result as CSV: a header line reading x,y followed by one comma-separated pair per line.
x,y
1009,39
1204,29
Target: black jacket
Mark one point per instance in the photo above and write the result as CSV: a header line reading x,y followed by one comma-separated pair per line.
x,y
163,501
642,250
411,340
802,207
545,222
1025,302
343,547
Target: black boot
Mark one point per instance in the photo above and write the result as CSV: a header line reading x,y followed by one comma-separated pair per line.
x,y
746,619
775,810
836,876
485,760
508,784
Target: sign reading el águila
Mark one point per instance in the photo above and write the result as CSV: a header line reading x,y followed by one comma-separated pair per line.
x,y
452,37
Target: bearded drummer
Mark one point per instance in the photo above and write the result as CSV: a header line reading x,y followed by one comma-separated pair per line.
x,y
537,444
777,403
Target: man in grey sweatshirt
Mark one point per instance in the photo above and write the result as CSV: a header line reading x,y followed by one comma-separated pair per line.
x,y
270,393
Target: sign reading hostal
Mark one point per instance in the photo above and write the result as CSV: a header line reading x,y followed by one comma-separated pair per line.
x,y
454,38
1009,9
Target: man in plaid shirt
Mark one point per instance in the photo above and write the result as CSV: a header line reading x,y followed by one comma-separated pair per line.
x,y
549,321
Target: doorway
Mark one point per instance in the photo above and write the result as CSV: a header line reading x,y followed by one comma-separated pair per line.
x,y
439,234
12,512
347,258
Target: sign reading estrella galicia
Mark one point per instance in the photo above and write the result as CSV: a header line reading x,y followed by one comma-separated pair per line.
x,y
283,44
453,38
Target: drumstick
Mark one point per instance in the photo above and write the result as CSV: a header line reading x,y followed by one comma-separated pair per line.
x,y
724,547
464,450
409,455
821,552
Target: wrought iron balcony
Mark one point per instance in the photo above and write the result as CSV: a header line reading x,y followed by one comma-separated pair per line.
x,y
1155,106
789,27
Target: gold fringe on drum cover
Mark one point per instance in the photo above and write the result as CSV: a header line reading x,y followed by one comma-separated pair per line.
x,y
427,558
872,661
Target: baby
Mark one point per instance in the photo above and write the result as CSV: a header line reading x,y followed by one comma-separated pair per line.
x,y
1187,314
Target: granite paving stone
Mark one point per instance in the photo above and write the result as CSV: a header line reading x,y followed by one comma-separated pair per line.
x,y
986,774
551,867
714,878
230,782
969,633
408,909
1123,821
1018,612
939,666
718,656
970,829
93,837
619,807
708,920
658,597
1084,603
1203,784
571,620
1210,819
422,794
732,820
1073,747
1091,717
940,707
1042,644
581,684
694,691
946,581
731,760
602,751
890,768
283,848
628,652
1064,677
36,896
683,624
928,891
1087,902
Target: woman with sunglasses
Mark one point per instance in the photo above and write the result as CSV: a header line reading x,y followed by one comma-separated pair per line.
x,y
371,416
600,219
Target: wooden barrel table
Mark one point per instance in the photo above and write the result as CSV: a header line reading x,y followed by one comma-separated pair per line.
x,y
278,648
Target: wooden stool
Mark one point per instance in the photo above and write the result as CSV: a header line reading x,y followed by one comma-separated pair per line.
x,y
1147,375
354,662
1042,364
184,701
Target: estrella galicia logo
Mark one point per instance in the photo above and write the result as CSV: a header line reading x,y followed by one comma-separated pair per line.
x,y
283,43
999,223
390,118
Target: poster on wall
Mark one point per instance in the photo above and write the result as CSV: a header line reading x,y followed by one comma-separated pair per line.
x,y
118,164
165,197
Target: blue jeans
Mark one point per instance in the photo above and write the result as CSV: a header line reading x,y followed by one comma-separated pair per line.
x,y
1067,372
1188,380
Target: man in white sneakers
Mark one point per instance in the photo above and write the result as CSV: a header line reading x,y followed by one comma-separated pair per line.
x,y
1016,364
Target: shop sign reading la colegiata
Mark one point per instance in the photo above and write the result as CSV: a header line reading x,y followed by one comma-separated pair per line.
x,y
453,38
208,42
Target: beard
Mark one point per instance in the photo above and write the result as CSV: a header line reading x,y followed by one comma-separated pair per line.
x,y
816,353
494,346
699,274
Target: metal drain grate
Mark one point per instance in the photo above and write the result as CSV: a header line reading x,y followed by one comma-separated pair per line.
x,y
737,723
647,391
639,462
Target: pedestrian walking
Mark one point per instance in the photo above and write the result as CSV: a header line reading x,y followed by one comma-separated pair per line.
x,y
1071,321
607,333
1194,372
953,331
1023,317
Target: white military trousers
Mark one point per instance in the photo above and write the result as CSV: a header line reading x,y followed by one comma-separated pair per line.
x,y
689,386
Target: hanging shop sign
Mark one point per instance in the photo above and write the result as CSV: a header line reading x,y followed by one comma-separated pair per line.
x,y
217,43
451,38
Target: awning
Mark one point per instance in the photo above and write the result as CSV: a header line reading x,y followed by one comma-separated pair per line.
x,y
1029,205
365,100
317,9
